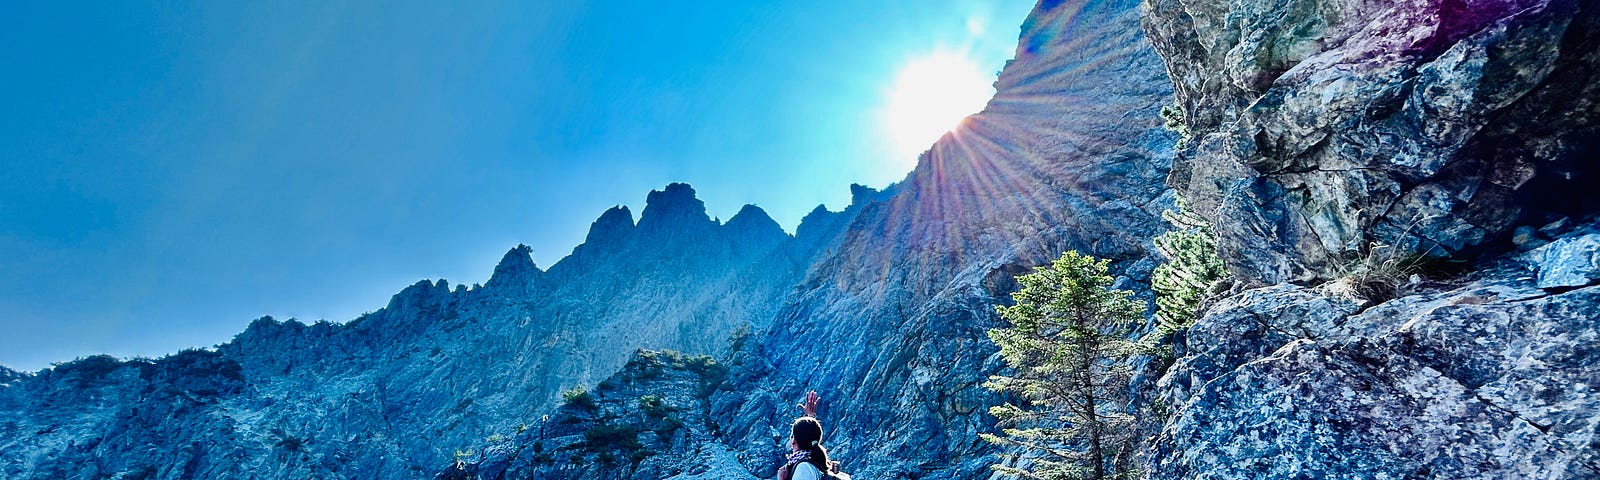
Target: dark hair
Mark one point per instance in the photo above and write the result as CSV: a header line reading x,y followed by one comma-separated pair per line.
x,y
807,433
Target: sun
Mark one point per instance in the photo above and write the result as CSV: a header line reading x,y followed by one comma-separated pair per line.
x,y
930,96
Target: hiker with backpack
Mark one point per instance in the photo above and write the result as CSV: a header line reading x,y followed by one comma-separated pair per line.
x,y
808,460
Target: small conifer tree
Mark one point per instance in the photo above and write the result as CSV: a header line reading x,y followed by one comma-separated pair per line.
x,y
1066,346
1191,269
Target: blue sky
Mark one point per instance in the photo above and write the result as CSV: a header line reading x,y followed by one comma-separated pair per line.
x,y
173,171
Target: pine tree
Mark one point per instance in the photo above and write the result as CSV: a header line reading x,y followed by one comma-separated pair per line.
x,y
1066,345
1191,269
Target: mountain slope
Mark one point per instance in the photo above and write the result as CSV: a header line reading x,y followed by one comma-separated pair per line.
x,y
888,324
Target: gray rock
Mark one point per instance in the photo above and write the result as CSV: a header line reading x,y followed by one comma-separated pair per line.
x,y
1493,379
615,433
1327,127
516,271
1249,326
1568,262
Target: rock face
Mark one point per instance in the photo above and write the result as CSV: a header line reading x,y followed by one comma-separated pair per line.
x,y
1569,262
647,421
1324,129
1334,139
1492,378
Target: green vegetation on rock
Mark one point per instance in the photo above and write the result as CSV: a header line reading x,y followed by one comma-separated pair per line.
x,y
578,397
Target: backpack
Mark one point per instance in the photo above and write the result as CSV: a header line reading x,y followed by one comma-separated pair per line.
x,y
833,474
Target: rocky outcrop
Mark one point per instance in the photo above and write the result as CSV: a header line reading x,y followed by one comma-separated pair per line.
x,y
1569,262
1491,378
9,376
515,271
1327,129
649,420
1335,143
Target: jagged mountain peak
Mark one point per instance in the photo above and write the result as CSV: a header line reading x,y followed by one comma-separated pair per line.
x,y
611,227
754,220
516,268
268,322
673,207
423,291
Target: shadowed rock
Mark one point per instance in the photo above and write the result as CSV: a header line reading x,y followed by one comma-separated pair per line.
x,y
1325,130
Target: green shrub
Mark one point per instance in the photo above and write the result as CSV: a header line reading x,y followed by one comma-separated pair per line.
x,y
578,397
712,373
653,406
606,441
666,426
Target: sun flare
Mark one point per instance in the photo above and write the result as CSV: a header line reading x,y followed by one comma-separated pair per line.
x,y
930,96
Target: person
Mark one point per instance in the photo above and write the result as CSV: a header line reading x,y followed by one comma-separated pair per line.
x,y
807,458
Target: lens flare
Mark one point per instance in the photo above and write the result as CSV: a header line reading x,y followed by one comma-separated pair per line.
x,y
930,96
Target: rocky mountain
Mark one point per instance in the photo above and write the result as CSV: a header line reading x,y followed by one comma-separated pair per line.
x,y
1402,191
395,392
887,323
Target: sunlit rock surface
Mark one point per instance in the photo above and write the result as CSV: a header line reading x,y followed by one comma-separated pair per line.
x,y
1489,378
1335,141
1324,128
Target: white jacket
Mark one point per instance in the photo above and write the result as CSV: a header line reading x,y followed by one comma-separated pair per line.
x,y
805,471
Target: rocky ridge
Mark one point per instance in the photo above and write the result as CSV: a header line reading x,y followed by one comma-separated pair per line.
x,y
398,390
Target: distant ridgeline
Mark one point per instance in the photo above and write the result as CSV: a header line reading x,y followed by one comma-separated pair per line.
x,y
1402,195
